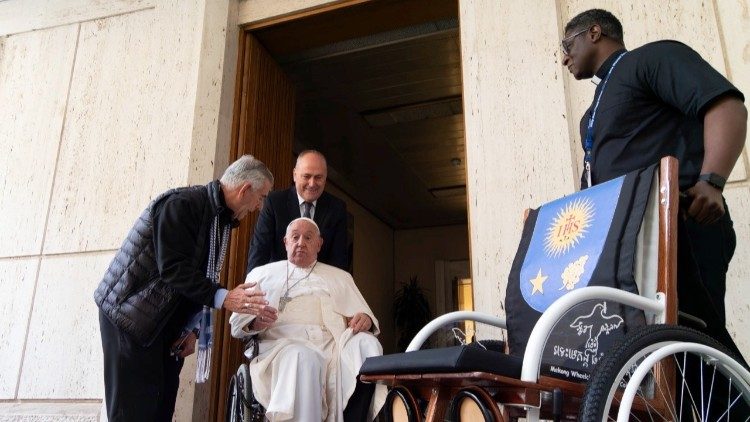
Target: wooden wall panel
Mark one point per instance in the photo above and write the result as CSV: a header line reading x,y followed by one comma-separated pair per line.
x,y
264,127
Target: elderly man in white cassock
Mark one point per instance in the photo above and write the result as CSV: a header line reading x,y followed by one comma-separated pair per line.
x,y
315,331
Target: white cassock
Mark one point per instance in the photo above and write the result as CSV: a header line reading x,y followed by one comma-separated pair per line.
x,y
309,349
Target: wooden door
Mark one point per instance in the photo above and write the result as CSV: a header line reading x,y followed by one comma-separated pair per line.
x,y
264,127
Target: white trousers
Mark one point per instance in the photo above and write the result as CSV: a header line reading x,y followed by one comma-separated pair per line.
x,y
309,384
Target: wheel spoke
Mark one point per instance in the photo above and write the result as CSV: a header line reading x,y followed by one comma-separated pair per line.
x,y
684,355
666,397
730,403
711,390
691,400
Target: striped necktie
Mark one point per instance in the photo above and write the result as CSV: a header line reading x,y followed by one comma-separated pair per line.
x,y
308,207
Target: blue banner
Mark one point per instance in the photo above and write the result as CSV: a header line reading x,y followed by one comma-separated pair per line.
x,y
567,242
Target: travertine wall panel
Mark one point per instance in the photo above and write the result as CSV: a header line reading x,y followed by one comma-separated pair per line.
x,y
17,277
734,25
211,142
34,76
517,143
187,396
129,125
32,15
63,356
736,299
216,75
739,173
50,412
142,115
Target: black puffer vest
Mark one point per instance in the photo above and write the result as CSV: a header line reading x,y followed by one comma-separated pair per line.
x,y
131,294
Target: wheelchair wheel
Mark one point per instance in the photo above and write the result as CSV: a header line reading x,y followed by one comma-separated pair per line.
x,y
233,411
680,374
241,404
400,406
472,405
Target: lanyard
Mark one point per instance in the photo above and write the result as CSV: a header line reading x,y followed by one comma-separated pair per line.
x,y
588,143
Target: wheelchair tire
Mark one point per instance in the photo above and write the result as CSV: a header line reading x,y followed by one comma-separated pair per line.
x,y
713,376
233,412
470,405
400,406
241,404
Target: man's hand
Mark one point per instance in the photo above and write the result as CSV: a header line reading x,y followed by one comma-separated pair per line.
x,y
265,318
245,299
706,205
185,345
360,322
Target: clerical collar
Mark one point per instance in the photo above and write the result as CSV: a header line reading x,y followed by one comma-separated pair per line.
x,y
300,201
601,73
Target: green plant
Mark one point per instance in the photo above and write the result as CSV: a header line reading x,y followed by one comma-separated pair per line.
x,y
411,311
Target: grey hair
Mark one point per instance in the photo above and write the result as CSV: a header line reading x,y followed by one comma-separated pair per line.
x,y
246,169
611,26
309,220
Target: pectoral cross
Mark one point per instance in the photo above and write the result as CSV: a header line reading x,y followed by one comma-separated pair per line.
x,y
283,301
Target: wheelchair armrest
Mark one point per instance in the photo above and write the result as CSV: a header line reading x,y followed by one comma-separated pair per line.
x,y
435,324
251,343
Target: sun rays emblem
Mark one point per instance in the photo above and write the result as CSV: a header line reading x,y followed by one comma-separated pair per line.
x,y
568,227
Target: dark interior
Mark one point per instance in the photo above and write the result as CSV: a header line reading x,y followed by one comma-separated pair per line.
x,y
378,91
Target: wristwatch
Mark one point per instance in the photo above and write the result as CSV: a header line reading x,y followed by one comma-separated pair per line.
x,y
714,180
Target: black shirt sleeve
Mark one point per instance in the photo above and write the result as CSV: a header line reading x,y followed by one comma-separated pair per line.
x,y
680,77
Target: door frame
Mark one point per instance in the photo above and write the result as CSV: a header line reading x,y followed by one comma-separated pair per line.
x,y
263,98
228,353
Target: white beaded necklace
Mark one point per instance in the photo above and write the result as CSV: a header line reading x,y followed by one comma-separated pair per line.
x,y
286,299
213,269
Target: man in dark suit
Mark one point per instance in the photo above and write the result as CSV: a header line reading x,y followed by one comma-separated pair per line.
x,y
305,197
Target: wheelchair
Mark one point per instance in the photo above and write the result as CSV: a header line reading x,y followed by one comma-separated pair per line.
x,y
241,404
657,370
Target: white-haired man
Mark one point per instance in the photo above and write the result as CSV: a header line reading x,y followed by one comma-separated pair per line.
x,y
315,332
160,287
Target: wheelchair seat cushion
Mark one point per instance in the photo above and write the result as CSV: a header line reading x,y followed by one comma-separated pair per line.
x,y
444,360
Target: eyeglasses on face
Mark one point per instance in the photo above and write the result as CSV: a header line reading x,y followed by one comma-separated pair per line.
x,y
567,42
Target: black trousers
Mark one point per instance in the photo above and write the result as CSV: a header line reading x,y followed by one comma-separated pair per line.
x,y
704,253
140,383
359,403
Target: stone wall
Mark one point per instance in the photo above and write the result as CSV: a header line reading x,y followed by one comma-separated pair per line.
x,y
103,105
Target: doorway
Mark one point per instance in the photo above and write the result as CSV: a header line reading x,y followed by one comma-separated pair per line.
x,y
376,87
